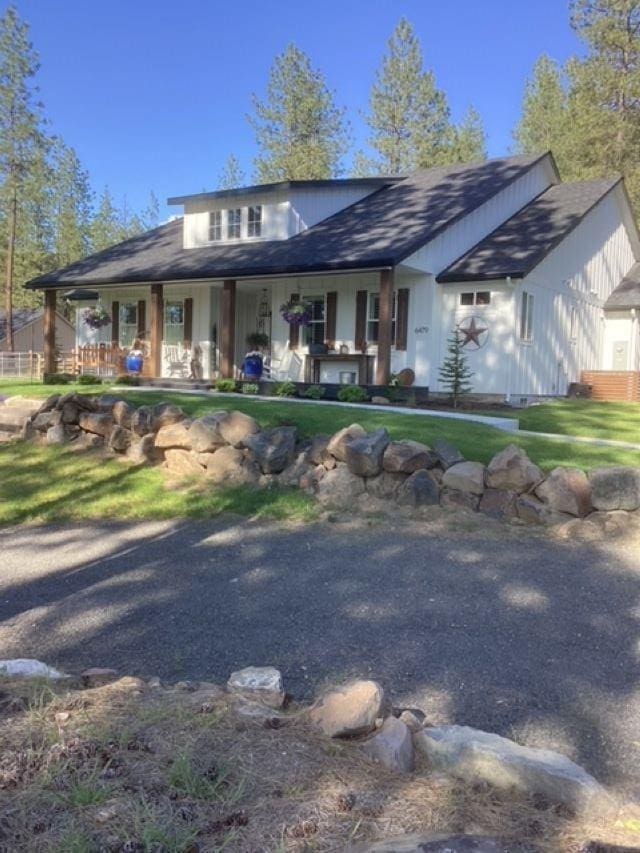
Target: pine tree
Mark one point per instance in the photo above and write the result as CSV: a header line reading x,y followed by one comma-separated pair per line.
x,y
23,167
71,200
469,143
300,132
455,372
232,176
106,227
545,123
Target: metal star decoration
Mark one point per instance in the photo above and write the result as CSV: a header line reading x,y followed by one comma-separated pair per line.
x,y
471,333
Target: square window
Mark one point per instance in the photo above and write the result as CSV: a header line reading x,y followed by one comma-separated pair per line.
x,y
466,298
483,297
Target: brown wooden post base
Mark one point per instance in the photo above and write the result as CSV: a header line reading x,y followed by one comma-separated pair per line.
x,y
228,330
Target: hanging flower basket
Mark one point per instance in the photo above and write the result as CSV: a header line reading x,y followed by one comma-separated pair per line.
x,y
96,318
297,313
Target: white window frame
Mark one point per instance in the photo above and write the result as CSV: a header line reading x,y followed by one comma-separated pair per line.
x,y
127,332
167,325
525,321
371,297
234,222
254,220
308,328
474,299
215,226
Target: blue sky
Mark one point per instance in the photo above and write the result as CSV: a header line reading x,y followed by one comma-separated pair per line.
x,y
154,95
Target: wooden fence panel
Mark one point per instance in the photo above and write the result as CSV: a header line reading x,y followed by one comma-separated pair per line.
x,y
613,385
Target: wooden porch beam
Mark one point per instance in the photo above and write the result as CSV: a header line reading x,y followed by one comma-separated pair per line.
x,y
50,331
156,326
228,329
383,369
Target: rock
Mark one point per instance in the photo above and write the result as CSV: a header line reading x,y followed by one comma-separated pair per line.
x,y
259,683
392,746
13,417
229,465
297,470
309,481
419,489
174,435
443,844
57,435
104,403
163,414
446,453
580,529
46,420
380,401
339,487
123,413
499,503
182,462
90,441
611,523
205,435
512,469
317,451
337,446
408,456
273,449
534,511
412,718
385,485
349,710
141,421
465,477
96,422
97,676
120,439
234,427
28,668
142,451
48,404
70,412
475,756
456,499
566,490
364,455
615,488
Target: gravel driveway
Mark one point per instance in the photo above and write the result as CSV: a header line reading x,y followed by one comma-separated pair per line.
x,y
497,628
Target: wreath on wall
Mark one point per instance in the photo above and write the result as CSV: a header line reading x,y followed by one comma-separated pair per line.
x,y
297,312
96,318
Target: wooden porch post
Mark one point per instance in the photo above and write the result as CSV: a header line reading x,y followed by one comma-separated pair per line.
x,y
383,370
156,328
49,331
228,330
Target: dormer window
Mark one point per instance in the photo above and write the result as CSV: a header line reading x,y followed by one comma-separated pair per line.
x,y
215,225
234,224
254,221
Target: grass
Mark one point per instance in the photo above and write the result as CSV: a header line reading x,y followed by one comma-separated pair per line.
x,y
614,421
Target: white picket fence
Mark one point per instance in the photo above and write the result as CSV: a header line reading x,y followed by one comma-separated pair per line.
x,y
21,365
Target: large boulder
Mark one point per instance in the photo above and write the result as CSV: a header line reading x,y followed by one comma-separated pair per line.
x,y
300,469
475,756
48,404
364,455
119,439
260,684
163,414
174,435
45,420
534,511
317,451
28,668
419,489
392,746
141,421
465,477
99,423
446,453
142,451
229,465
566,490
123,413
57,435
512,469
457,499
615,488
499,503
15,412
70,412
351,709
235,427
385,485
273,449
337,445
205,435
339,487
405,457
182,462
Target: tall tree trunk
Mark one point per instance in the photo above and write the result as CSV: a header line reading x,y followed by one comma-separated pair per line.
x,y
8,286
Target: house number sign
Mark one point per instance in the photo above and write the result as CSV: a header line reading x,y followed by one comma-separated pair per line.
x,y
421,330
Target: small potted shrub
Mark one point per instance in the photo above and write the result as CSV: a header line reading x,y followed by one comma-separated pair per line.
x,y
253,360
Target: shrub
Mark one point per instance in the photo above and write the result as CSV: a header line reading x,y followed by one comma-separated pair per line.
x,y
250,388
127,379
314,392
89,379
285,389
57,379
352,394
227,386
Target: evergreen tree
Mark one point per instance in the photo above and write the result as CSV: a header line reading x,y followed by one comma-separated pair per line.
x,y
232,175
23,168
364,166
300,132
107,224
469,144
455,372
71,200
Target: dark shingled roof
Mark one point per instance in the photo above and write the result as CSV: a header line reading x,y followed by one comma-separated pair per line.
x,y
518,245
627,293
380,230
21,317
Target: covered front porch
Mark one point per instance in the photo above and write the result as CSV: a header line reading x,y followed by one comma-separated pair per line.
x,y
358,331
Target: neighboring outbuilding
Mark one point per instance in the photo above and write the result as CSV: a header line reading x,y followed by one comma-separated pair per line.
x,y
28,331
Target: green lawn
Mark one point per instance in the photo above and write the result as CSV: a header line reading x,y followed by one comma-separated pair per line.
x,y
615,421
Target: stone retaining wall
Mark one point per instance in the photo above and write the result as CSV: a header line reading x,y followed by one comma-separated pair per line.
x,y
347,470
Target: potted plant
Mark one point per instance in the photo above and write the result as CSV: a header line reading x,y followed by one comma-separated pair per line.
x,y
297,312
97,317
253,360
135,358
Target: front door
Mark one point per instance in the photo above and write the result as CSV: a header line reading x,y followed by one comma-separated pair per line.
x,y
620,355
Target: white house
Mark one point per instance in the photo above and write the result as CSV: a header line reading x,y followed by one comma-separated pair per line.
x,y
539,277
